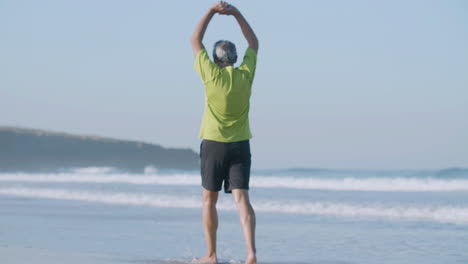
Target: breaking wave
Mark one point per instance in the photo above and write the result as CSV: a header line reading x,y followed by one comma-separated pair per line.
x,y
388,184
444,214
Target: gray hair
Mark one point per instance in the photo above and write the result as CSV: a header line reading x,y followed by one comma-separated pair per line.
x,y
224,51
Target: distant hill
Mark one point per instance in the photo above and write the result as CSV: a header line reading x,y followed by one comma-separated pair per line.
x,y
25,149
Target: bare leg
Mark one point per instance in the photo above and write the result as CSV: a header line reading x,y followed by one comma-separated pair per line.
x,y
247,220
210,224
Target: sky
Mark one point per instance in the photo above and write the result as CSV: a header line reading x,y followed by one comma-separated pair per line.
x,y
339,84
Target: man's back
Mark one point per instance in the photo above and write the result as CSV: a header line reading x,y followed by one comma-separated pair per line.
x,y
227,94
225,156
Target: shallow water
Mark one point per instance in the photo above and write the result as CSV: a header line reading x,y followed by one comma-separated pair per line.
x,y
95,216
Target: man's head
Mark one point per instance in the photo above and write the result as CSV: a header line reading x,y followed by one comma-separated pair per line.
x,y
224,53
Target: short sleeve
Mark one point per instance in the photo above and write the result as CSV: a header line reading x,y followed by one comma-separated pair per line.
x,y
249,63
204,66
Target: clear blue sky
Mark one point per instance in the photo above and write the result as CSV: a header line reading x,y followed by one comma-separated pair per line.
x,y
339,84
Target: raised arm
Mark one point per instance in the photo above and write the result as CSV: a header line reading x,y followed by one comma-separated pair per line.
x,y
248,32
197,36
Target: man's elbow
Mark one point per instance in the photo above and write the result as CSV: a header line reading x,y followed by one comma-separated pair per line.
x,y
193,39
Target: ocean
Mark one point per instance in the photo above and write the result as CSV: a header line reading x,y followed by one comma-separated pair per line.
x,y
102,215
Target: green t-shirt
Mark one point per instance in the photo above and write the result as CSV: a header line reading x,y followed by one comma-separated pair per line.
x,y
227,95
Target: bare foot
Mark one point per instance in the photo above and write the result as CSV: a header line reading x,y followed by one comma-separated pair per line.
x,y
251,260
206,260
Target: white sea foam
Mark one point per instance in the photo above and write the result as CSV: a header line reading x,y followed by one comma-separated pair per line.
x,y
444,214
364,184
93,170
338,184
178,179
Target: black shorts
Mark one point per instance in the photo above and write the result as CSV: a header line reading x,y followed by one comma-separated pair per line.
x,y
225,161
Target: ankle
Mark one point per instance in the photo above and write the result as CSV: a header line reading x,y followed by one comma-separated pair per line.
x,y
250,259
211,254
251,254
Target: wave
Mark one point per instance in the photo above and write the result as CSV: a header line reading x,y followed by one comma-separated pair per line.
x,y
334,184
443,214
319,172
365,184
454,172
93,170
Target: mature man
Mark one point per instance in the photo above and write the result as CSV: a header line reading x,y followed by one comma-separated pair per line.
x,y
225,132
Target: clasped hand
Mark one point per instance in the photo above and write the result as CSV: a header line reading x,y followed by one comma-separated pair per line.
x,y
224,8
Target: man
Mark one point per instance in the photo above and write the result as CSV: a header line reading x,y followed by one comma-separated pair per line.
x,y
225,132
